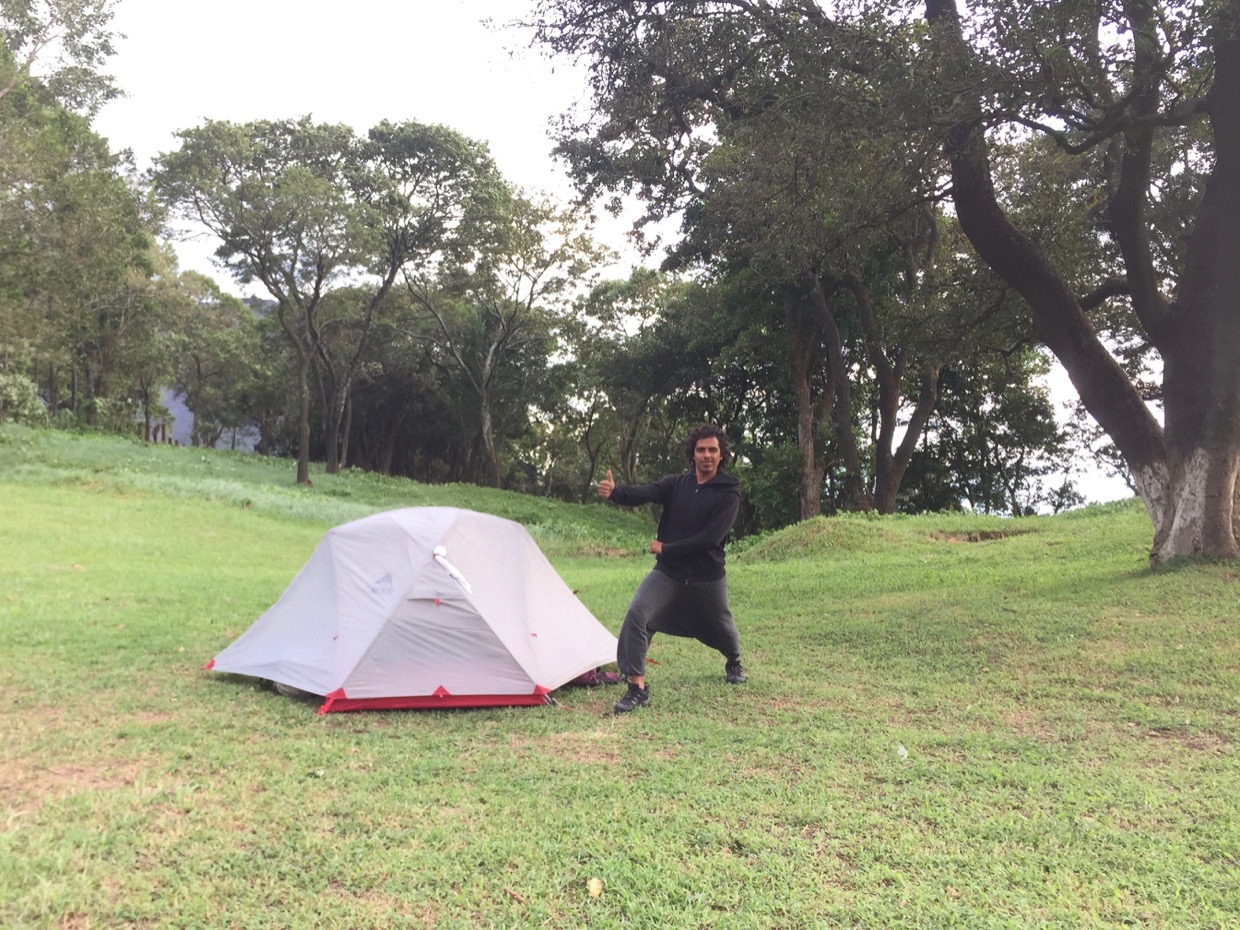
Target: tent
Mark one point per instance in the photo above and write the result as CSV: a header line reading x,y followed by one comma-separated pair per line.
x,y
423,607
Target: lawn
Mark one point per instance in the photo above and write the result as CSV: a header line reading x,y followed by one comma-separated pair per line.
x,y
951,720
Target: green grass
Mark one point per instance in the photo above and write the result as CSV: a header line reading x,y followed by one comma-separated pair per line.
x,y
1069,719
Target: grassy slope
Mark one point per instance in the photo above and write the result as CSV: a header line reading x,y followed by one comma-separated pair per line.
x,y
1070,723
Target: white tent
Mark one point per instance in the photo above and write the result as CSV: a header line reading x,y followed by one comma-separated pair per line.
x,y
423,607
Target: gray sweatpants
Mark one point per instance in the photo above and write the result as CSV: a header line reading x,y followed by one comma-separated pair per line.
x,y
696,609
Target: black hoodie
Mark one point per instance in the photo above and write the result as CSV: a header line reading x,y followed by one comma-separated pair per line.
x,y
695,522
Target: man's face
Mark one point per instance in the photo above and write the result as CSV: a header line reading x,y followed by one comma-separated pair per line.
x,y
706,457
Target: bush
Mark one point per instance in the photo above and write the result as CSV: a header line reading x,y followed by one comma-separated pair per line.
x,y
20,401
118,415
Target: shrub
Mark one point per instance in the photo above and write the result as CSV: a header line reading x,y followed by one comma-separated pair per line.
x,y
20,401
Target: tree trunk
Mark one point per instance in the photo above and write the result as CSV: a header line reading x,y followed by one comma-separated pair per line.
x,y
92,412
1201,370
345,429
857,499
593,453
488,443
812,468
387,450
626,454
303,418
1186,476
332,420
53,389
891,463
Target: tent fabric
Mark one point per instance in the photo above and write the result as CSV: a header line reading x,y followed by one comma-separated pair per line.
x,y
423,607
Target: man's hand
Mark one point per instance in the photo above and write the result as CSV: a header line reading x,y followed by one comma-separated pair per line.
x,y
656,547
606,485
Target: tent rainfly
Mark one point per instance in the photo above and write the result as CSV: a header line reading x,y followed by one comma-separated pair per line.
x,y
424,607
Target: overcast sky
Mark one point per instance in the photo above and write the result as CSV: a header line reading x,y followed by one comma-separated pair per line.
x,y
358,62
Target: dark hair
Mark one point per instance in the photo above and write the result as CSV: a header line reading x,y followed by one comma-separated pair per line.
x,y
698,433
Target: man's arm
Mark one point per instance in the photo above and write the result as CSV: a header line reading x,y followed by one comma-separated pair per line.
x,y
631,495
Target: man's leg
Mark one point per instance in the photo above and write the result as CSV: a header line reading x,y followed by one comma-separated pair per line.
x,y
716,627
653,596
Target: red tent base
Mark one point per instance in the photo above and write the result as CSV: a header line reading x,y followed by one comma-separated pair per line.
x,y
442,699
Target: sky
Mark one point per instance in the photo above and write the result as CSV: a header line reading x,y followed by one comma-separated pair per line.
x,y
435,61
454,62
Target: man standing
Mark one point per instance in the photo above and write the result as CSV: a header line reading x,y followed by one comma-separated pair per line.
x,y
687,592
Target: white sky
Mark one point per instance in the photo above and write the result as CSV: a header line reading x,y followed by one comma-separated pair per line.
x,y
434,61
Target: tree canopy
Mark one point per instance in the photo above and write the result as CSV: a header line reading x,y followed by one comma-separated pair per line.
x,y
824,302
1135,103
302,208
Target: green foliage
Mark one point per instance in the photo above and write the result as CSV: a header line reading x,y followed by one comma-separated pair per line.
x,y
767,482
67,41
1066,719
76,301
218,367
20,401
301,207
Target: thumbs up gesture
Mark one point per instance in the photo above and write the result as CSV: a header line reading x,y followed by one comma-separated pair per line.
x,y
605,486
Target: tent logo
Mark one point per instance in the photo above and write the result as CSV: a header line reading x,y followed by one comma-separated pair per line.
x,y
383,587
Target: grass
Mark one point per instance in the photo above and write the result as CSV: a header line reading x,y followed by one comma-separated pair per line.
x,y
1068,719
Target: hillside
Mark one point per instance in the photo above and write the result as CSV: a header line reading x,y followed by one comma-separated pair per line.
x,y
266,485
950,721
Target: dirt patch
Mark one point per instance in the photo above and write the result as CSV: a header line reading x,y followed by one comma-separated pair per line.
x,y
27,786
597,746
1030,725
610,552
383,902
976,536
1201,741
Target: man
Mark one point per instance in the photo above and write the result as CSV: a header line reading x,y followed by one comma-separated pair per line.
x,y
687,592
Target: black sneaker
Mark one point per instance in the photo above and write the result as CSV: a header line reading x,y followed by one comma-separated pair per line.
x,y
634,697
735,673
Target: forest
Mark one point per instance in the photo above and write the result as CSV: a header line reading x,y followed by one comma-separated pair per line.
x,y
891,218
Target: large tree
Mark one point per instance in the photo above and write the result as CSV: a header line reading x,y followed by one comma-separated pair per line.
x,y
302,208
1117,82
1144,96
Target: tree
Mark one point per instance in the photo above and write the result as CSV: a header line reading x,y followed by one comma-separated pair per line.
x,y
991,441
1118,86
627,370
500,304
76,248
1144,97
60,43
303,207
75,233
273,193
403,422
217,356
780,191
